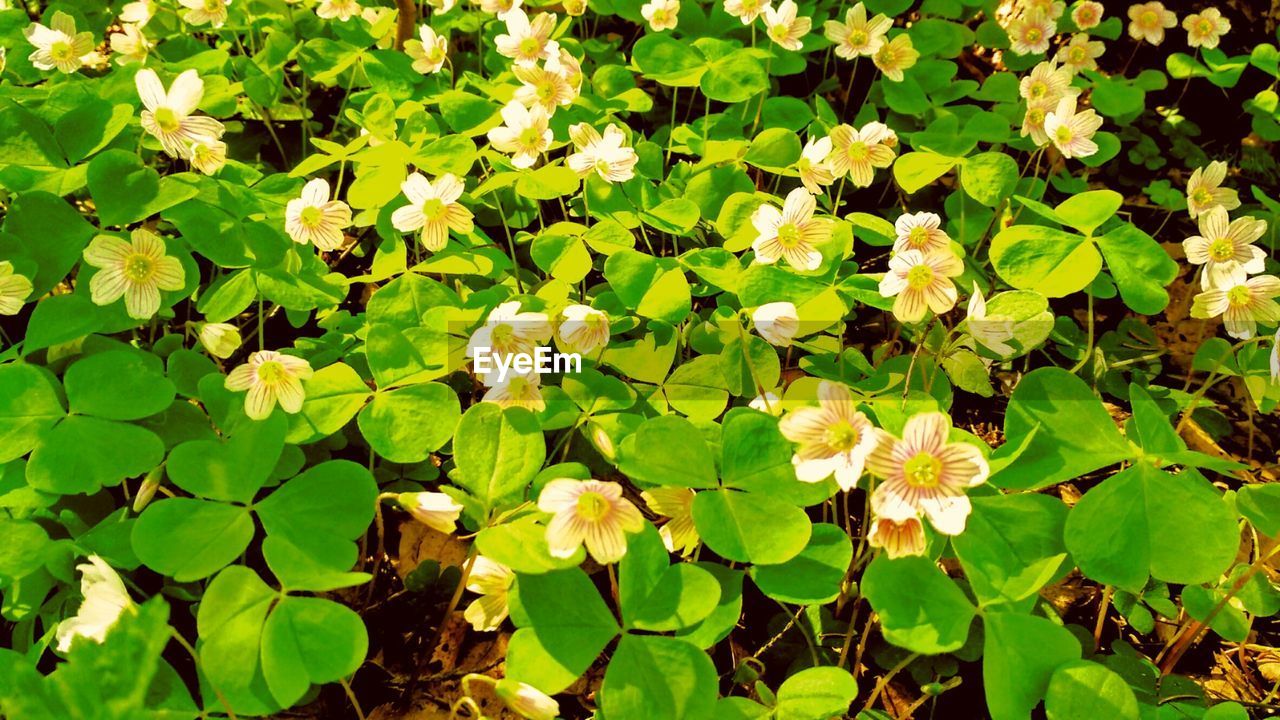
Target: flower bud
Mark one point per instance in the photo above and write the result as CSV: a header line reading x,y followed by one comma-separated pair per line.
x,y
220,339
147,490
527,700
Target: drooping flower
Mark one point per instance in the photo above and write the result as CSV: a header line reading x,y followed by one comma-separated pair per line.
x,y
500,8
860,152
1052,9
834,438
1087,14
138,13
208,155
583,329
525,134
526,700
857,35
168,115
792,233
436,510
746,10
434,209
220,340
1045,83
59,45
492,581
812,165
342,10
1080,54
528,42
920,231
506,332
920,282
1033,122
661,14
567,65
270,377
543,87
1205,191
767,402
130,44
1072,132
591,512
14,289
777,322
1242,305
428,50
1206,28
1030,33
1149,20
924,473
522,390
607,155
315,219
895,56
993,332
105,600
574,8
898,538
676,503
1226,249
784,28
137,270
199,12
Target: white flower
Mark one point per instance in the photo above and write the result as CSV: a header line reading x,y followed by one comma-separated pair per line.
x,y
1275,359
526,700
14,289
792,233
1081,53
1045,83
607,155
200,12
168,115
343,10
812,165
207,155
1070,131
522,390
1033,122
920,283
777,322
433,208
591,512
492,581
501,8
543,86
1148,21
833,438
429,51
678,533
925,473
138,13
525,134
131,45
436,510
1226,249
528,42
508,332
895,56
857,35
920,231
661,14
314,218
583,329
993,332
1242,305
1030,33
58,46
1206,28
137,270
270,377
860,152
745,10
221,340
1204,191
105,600
784,28
898,538
1087,14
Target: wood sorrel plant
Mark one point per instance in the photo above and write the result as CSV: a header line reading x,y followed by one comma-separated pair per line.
x,y
903,385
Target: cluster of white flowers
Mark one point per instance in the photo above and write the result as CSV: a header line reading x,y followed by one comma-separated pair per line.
x,y
1229,279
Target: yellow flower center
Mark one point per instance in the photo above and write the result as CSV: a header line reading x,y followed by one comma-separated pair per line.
x,y
592,506
923,471
842,436
1148,19
61,51
271,372
435,54
857,151
167,119
1202,197
1063,134
858,38
885,56
1204,27
1077,55
779,32
1035,116
660,17
602,167
530,137
433,209
789,235
750,6
1038,89
919,277
503,334
1239,296
214,6
546,90
1033,35
1085,16
139,268
530,46
311,217
1221,250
